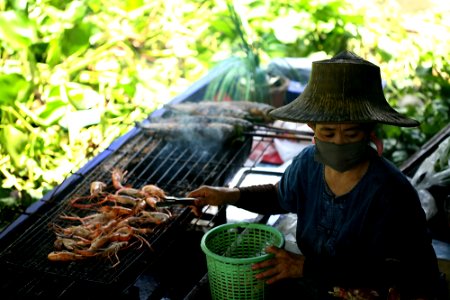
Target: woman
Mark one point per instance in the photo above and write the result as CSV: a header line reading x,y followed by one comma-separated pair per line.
x,y
360,222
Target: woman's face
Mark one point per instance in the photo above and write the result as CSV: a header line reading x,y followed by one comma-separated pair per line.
x,y
339,133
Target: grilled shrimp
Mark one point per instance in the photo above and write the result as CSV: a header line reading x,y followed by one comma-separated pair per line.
x,y
64,256
99,242
122,199
117,178
112,251
153,190
97,187
140,205
118,220
145,218
135,193
151,201
65,243
79,231
122,234
91,201
154,217
90,221
116,211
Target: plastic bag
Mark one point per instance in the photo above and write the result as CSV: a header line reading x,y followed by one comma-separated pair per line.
x,y
434,171
428,203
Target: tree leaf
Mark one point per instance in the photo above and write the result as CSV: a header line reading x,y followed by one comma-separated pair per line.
x,y
54,52
12,87
14,140
81,118
76,39
82,96
51,112
17,30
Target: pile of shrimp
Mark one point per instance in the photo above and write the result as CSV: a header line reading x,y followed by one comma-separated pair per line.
x,y
115,220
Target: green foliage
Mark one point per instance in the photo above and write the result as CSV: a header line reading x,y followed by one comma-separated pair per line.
x,y
242,76
245,74
75,76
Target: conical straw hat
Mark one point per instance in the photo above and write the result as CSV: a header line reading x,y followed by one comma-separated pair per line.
x,y
343,89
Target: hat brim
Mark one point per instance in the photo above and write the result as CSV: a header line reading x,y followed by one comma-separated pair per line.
x,y
305,110
344,89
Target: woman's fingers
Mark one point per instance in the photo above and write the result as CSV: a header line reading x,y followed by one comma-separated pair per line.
x,y
196,210
264,264
205,195
213,195
284,264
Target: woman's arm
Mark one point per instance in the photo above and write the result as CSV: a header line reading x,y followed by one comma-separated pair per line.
x,y
262,199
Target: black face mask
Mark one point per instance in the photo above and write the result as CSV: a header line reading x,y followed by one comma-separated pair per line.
x,y
341,157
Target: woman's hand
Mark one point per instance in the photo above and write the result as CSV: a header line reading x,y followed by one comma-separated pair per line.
x,y
213,195
283,265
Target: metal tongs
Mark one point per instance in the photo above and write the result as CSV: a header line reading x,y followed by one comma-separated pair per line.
x,y
171,200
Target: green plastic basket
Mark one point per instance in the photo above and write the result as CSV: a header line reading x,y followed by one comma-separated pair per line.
x,y
230,250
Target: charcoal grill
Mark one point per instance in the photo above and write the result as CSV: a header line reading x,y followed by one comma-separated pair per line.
x,y
174,166
170,165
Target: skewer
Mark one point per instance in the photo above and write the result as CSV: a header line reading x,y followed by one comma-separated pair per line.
x,y
279,136
286,130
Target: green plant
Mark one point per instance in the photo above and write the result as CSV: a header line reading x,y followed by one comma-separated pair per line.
x,y
242,75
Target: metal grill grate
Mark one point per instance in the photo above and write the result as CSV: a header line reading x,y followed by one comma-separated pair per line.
x,y
174,167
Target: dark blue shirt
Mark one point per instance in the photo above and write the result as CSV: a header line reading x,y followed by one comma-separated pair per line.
x,y
375,235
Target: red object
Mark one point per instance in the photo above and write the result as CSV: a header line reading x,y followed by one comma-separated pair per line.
x,y
265,152
272,158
